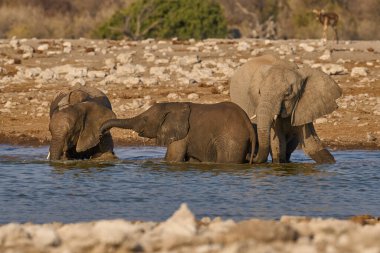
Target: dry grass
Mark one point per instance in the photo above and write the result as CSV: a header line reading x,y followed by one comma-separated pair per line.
x,y
34,21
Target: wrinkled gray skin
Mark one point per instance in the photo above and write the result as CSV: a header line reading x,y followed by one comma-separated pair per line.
x,y
75,118
267,87
219,133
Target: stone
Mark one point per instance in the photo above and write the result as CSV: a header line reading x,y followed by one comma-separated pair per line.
x,y
47,75
371,137
172,96
326,55
110,63
32,72
96,74
243,46
193,96
306,47
113,232
125,57
331,69
129,69
179,229
321,121
43,47
359,71
43,236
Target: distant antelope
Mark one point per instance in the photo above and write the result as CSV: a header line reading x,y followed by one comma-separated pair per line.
x,y
328,19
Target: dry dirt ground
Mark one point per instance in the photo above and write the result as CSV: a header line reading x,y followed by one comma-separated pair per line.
x,y
135,74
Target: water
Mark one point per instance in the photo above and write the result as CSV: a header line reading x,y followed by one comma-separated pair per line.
x,y
140,186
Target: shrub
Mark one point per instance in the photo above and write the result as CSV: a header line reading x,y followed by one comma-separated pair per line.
x,y
184,19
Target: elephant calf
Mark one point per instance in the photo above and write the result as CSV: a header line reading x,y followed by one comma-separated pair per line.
x,y
219,133
75,118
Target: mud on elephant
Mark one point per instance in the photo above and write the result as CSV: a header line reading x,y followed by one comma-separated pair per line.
x,y
219,133
283,100
75,118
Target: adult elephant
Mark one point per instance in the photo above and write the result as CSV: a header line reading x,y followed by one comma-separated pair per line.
x,y
283,100
75,118
219,133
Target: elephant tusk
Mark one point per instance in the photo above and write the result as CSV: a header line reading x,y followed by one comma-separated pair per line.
x,y
253,117
48,156
275,117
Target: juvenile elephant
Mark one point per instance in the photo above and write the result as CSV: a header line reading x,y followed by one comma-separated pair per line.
x,y
283,100
75,118
219,133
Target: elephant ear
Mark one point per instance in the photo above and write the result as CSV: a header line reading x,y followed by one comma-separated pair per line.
x,y
175,124
317,97
54,106
95,116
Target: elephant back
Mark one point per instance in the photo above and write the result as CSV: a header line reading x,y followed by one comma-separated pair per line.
x,y
82,94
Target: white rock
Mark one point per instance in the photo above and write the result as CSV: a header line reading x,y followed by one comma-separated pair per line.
x,y
77,81
156,71
331,69
47,75
67,50
96,74
110,63
359,71
186,60
172,96
321,121
306,47
14,43
113,232
178,229
43,236
43,47
125,57
243,46
67,44
193,96
326,55
128,69
32,72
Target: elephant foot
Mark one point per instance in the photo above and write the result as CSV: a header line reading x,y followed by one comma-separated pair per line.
x,y
322,156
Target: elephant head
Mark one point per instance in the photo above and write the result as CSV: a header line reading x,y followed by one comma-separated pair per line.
x,y
269,88
75,129
167,122
75,118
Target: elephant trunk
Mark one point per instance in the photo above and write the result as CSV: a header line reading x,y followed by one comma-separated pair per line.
x,y
120,123
56,149
266,113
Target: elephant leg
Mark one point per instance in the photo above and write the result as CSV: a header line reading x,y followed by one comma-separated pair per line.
x,y
278,143
290,147
176,151
106,148
312,145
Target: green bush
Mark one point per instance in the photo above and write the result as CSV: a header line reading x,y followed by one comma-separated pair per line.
x,y
164,19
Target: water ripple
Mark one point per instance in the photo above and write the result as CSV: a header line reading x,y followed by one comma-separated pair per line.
x,y
141,186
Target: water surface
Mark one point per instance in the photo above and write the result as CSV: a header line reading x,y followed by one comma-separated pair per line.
x,y
140,186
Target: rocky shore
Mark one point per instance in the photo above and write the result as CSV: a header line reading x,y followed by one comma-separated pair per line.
x,y
183,233
136,74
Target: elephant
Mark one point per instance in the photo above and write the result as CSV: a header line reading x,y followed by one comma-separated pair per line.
x,y
220,133
75,118
283,100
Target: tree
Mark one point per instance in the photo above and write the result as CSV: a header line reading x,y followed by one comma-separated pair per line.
x,y
164,19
